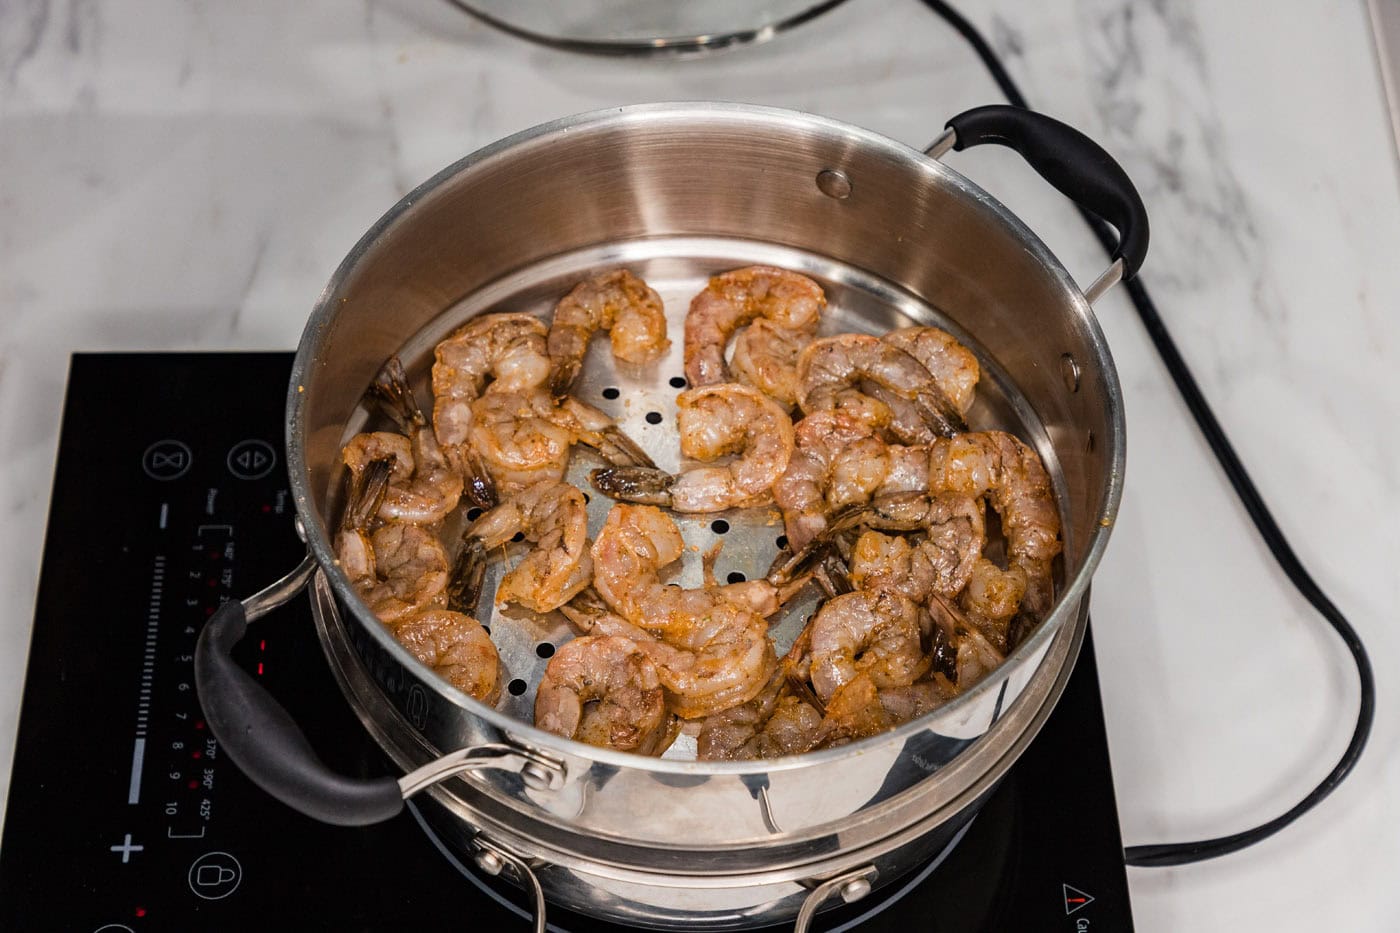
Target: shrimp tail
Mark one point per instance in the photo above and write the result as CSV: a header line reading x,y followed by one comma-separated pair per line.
x,y
367,493
584,610
646,485
478,488
563,374
627,451
938,411
391,389
468,576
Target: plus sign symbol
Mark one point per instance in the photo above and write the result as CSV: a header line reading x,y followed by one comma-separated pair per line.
x,y
126,848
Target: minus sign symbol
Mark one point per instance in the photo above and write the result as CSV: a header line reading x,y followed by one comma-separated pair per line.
x,y
164,513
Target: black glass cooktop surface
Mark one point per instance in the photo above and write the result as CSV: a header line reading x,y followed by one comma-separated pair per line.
x,y
170,496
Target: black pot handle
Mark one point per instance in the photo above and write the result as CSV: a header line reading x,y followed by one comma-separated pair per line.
x,y
1078,167
261,738
266,745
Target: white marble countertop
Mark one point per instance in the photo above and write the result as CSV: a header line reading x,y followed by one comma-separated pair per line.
x,y
179,175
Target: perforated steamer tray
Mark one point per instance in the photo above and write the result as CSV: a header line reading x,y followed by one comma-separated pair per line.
x,y
642,399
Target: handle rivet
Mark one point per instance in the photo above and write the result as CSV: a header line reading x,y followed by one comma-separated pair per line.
x,y
854,890
489,862
536,776
834,184
1069,371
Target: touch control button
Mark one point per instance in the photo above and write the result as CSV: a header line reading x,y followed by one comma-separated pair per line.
x,y
215,875
251,459
166,460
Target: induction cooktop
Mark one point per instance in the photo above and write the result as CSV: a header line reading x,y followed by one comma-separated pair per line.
x,y
171,496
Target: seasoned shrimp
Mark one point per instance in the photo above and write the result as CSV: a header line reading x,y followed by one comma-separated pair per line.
x,y
713,421
777,722
398,569
990,464
789,302
457,648
879,635
720,660
834,371
603,690
553,515
618,302
413,572
508,350
423,488
635,543
765,357
953,366
523,438
837,460
942,561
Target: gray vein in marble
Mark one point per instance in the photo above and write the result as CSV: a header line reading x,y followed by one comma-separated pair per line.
x,y
1187,162
259,252
84,24
22,27
1006,39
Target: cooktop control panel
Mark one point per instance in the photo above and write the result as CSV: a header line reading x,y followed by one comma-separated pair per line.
x,y
168,500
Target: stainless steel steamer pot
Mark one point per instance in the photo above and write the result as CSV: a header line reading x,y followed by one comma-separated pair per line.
x,y
896,235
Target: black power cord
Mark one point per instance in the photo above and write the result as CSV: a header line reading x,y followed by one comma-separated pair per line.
x,y
1182,853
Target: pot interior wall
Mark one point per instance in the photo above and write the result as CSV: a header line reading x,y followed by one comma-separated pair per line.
x,y
911,223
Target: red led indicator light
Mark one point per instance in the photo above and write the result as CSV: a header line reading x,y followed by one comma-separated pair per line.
x,y
199,723
213,555
262,645
267,508
196,754
140,911
209,610
259,668
193,784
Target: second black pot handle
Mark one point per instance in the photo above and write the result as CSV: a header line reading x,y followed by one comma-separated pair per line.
x,y
1074,164
267,746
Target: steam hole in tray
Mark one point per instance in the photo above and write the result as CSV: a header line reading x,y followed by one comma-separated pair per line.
x,y
544,649
735,577
611,393
719,526
516,687
653,417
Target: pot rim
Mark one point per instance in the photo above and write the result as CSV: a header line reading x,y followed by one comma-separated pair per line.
x,y
319,541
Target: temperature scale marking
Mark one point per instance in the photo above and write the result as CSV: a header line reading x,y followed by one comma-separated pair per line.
x,y
148,661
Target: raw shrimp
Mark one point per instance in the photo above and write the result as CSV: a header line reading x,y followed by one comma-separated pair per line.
x,y
635,543
603,690
399,569
457,648
554,516
424,487
765,357
714,421
506,349
1009,473
835,469
974,656
953,366
618,302
719,660
942,561
876,634
833,371
789,302
525,437
837,460
776,722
